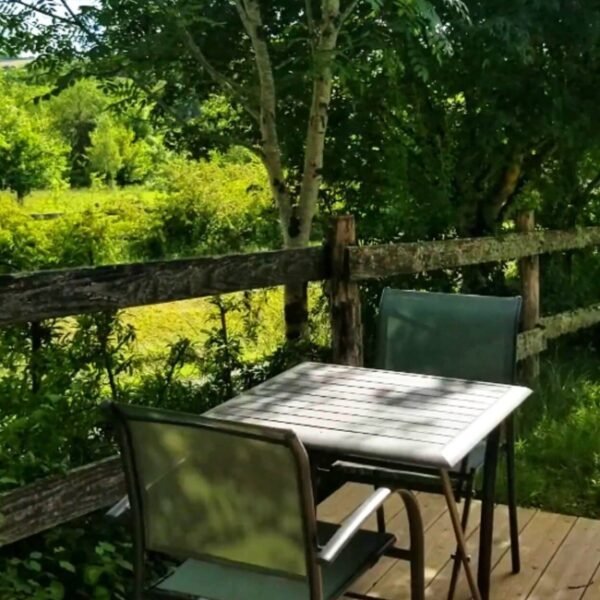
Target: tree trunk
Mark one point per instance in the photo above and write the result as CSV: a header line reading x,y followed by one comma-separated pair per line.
x,y
298,227
295,216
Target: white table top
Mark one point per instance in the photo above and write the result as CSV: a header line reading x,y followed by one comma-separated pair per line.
x,y
371,413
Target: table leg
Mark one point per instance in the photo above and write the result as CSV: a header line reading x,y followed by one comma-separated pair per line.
x,y
488,498
458,532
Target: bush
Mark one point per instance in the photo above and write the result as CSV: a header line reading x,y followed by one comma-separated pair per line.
x,y
116,156
210,207
31,154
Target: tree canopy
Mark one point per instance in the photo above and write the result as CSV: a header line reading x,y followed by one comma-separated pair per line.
x,y
425,119
31,154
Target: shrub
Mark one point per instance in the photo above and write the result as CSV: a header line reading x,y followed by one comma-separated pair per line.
x,y
31,154
210,207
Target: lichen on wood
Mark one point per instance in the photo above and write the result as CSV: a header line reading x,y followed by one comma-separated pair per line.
x,y
368,262
530,343
570,321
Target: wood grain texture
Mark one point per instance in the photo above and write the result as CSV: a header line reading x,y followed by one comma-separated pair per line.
x,y
529,274
59,293
540,539
50,502
369,262
571,570
377,415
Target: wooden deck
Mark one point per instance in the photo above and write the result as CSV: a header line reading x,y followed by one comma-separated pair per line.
x,y
560,554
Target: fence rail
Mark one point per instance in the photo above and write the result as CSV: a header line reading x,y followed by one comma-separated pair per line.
x,y
28,297
56,500
59,293
368,262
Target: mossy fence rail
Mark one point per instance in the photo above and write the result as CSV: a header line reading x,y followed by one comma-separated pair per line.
x,y
31,297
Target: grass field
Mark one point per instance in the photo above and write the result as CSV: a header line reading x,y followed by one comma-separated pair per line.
x,y
68,201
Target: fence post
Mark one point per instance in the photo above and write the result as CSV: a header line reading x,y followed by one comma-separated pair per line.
x,y
529,272
344,296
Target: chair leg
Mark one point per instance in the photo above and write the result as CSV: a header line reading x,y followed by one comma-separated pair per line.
x,y
417,545
512,495
468,496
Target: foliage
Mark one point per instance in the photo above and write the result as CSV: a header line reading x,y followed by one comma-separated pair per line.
x,y
75,561
439,126
106,150
101,199
558,456
75,112
459,150
276,56
31,156
216,206
116,156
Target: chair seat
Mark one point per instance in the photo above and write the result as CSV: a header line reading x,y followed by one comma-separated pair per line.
x,y
408,476
205,580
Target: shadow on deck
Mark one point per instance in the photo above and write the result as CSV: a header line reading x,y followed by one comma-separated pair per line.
x,y
560,554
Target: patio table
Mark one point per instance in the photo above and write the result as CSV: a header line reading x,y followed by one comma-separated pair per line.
x,y
371,414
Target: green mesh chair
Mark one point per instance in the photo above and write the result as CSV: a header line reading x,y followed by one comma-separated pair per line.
x,y
448,335
232,506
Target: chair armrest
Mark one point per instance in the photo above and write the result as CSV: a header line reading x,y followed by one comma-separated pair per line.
x,y
122,506
328,553
119,509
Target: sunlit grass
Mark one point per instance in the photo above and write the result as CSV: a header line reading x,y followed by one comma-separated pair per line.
x,y
67,200
558,453
161,325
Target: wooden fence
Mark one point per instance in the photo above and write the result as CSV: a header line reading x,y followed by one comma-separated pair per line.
x,y
30,297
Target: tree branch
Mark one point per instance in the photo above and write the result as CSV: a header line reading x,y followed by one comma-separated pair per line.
x,y
46,13
346,13
227,84
251,17
81,24
312,172
92,37
310,21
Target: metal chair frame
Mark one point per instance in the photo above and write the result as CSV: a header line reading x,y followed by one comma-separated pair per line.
x,y
316,556
462,484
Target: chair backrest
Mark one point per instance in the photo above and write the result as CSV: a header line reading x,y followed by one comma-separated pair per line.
x,y
449,335
220,491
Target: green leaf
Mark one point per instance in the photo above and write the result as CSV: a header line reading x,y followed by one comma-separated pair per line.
x,y
56,590
92,574
33,565
67,566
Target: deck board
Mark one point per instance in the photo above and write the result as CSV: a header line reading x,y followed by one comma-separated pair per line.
x,y
560,554
569,572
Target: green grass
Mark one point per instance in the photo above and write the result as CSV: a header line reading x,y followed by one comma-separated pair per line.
x,y
558,453
53,201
